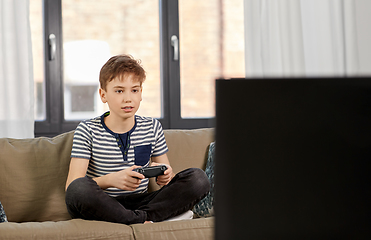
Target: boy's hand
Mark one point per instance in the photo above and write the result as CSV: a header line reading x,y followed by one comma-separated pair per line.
x,y
126,179
163,180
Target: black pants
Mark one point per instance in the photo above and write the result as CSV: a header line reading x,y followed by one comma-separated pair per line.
x,y
86,200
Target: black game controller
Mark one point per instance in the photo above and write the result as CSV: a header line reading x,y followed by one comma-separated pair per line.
x,y
152,171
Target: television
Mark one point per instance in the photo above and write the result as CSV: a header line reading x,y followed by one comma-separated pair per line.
x,y
292,158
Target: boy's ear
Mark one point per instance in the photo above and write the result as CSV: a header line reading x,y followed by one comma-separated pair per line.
x,y
102,95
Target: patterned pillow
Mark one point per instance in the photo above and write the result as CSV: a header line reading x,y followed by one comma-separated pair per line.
x,y
2,214
205,208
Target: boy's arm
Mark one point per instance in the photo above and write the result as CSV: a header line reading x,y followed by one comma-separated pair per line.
x,y
168,174
126,179
78,168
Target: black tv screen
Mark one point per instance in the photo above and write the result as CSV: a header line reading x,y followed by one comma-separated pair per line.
x,y
293,158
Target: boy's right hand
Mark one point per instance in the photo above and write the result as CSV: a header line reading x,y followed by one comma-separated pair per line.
x,y
126,179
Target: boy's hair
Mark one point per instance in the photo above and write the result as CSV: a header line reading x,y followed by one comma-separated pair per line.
x,y
120,66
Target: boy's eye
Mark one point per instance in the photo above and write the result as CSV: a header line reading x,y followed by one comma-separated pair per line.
x,y
118,91
136,90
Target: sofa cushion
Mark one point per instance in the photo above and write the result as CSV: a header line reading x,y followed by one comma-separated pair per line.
x,y
200,229
33,173
205,208
72,229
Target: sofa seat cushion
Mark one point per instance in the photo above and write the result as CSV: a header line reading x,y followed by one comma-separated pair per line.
x,y
72,229
201,228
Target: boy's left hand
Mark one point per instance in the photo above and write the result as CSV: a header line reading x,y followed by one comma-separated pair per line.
x,y
163,180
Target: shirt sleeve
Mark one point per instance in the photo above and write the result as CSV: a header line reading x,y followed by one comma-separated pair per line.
x,y
82,142
160,145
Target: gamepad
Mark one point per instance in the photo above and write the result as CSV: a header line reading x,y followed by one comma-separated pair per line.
x,y
152,171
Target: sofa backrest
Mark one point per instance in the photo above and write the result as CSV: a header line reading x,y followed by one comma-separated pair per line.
x,y
187,148
33,172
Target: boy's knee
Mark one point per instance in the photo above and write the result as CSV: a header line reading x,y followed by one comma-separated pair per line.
x,y
202,181
78,189
198,180
77,184
79,195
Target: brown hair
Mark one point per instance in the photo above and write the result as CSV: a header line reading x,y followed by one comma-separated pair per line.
x,y
120,66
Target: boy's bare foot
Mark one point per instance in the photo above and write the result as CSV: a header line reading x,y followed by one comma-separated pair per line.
x,y
148,222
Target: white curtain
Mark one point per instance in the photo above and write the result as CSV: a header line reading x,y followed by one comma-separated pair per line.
x,y
16,71
300,38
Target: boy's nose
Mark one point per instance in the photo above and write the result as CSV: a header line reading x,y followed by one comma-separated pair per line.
x,y
127,98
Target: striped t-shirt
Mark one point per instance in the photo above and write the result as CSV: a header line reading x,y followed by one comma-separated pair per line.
x,y
110,152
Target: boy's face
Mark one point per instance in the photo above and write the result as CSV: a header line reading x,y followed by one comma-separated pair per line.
x,y
123,96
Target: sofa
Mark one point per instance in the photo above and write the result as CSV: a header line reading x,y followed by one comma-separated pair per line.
x,y
33,173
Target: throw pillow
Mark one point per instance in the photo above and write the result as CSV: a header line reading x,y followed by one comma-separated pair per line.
x,y
205,208
2,214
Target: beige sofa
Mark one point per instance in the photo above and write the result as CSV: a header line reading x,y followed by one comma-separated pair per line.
x,y
33,173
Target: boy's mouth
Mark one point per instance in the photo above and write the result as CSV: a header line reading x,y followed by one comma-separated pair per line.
x,y
127,109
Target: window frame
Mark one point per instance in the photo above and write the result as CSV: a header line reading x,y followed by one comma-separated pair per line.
x,y
170,26
55,123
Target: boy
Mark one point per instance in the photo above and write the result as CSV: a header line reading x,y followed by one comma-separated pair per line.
x,y
101,183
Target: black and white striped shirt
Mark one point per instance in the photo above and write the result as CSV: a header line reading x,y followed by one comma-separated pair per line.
x,y
110,152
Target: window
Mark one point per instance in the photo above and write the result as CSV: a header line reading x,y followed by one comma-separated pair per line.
x,y
183,52
212,46
110,27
